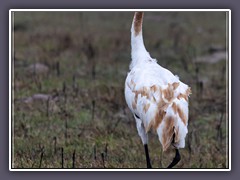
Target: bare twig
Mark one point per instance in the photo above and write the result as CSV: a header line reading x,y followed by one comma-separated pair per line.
x,y
106,150
73,159
58,68
48,106
95,152
200,88
90,52
74,81
223,73
76,89
219,129
93,109
62,157
64,94
189,141
40,164
93,69
66,130
55,144
115,126
103,161
37,82
64,87
161,159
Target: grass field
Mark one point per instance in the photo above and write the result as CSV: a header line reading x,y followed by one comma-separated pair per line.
x,y
68,100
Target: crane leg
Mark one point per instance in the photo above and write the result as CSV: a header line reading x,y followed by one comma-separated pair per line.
x,y
147,156
176,159
144,137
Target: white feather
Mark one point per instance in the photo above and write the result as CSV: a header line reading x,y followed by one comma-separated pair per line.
x,y
144,74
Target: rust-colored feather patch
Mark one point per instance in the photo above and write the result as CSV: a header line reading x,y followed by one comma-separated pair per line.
x,y
177,135
158,118
143,92
175,85
182,96
138,18
168,93
185,95
168,132
178,110
153,88
162,105
174,106
182,115
159,115
134,105
146,107
136,98
188,91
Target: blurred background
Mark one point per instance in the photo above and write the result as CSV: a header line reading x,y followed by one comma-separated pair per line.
x,y
68,103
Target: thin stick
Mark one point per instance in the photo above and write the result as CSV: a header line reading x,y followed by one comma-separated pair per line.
x,y
40,164
106,150
74,81
62,157
94,152
48,105
55,144
93,109
66,130
73,159
58,68
102,154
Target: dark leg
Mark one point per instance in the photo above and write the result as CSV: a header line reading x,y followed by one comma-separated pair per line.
x,y
147,156
175,160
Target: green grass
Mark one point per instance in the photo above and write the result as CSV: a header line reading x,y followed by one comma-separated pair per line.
x,y
89,114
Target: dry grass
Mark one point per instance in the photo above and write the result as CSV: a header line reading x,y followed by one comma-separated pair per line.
x,y
79,119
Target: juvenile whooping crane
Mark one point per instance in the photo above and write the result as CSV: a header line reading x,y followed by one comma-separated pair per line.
x,y
157,98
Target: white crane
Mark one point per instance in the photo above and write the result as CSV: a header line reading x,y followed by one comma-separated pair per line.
x,y
156,97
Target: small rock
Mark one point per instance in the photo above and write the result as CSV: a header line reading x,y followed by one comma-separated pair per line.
x,y
37,68
37,97
212,58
